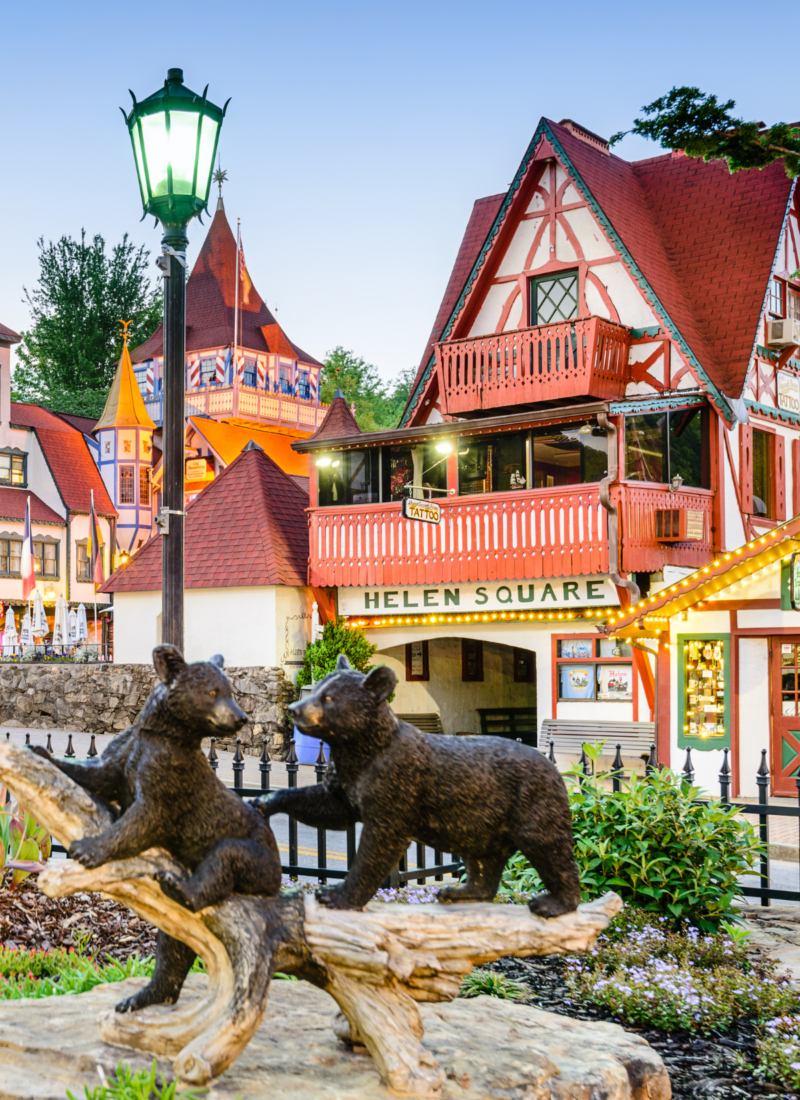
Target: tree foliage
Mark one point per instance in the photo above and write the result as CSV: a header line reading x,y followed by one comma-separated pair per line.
x,y
377,405
703,126
68,356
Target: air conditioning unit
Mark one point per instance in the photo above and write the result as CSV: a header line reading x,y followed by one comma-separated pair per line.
x,y
784,334
679,525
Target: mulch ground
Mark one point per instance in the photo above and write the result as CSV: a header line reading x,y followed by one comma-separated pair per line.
x,y
29,919
699,1066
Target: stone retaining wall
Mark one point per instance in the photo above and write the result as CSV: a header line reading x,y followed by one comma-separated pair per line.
x,y
105,698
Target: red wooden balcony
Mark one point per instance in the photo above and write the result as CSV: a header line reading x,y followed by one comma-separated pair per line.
x,y
547,363
500,536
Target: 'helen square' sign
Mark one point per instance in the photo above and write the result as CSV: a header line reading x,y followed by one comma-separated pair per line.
x,y
545,594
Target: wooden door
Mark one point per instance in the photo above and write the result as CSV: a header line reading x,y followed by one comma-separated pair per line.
x,y
785,714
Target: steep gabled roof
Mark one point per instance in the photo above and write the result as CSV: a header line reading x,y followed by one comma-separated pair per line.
x,y
13,503
339,420
8,336
84,424
210,300
124,406
68,457
248,528
229,440
700,242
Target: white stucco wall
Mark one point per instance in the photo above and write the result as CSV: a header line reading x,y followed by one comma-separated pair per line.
x,y
754,709
447,694
246,625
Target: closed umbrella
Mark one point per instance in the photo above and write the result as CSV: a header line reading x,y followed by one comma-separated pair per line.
x,y
83,629
11,639
73,627
40,624
60,623
26,630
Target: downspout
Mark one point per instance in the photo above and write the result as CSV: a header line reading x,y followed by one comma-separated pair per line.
x,y
613,517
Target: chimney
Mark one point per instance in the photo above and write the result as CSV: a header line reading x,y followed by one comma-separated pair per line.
x,y
586,136
7,338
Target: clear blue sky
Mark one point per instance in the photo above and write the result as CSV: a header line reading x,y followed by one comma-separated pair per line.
x,y
358,134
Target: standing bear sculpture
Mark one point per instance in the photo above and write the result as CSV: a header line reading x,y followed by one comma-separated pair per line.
x,y
162,793
482,797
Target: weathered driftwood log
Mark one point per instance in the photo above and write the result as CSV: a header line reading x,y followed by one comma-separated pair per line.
x,y
376,964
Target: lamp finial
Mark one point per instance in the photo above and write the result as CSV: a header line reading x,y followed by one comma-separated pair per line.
x,y
219,178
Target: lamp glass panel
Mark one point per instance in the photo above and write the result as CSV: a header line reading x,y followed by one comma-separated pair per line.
x,y
182,149
156,147
205,160
137,151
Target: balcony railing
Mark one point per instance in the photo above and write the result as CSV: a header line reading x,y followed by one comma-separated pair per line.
x,y
248,402
549,362
502,536
637,505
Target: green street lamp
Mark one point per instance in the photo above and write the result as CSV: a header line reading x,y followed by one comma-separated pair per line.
x,y
174,134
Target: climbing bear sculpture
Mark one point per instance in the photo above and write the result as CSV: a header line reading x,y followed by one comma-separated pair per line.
x,y
482,797
163,792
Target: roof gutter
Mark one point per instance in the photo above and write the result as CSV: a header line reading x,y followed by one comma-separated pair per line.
x,y
613,515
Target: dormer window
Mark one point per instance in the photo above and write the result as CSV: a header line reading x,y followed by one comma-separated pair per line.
x,y
554,298
13,467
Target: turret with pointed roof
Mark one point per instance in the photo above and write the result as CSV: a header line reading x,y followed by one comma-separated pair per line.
x,y
210,301
339,420
124,405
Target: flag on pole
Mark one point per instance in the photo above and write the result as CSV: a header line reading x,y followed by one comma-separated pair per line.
x,y
95,550
247,284
26,556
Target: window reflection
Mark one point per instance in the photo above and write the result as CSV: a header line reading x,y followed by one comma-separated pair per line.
x,y
411,470
348,477
493,464
571,454
660,445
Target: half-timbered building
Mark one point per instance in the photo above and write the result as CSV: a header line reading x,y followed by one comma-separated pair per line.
x,y
609,400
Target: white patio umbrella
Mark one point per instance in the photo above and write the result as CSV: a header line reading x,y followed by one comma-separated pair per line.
x,y
26,630
83,629
40,624
73,627
60,623
10,639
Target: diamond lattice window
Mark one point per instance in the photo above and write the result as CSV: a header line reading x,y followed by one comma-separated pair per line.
x,y
554,298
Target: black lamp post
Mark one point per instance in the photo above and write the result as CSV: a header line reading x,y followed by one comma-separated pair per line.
x,y
174,134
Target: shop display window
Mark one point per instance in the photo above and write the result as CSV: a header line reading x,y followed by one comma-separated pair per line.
x,y
599,669
704,720
348,477
413,469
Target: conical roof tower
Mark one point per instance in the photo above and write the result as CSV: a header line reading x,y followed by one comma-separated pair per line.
x,y
124,405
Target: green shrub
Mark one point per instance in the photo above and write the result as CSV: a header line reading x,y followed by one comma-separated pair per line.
x,y
648,974
139,1085
656,845
492,984
320,657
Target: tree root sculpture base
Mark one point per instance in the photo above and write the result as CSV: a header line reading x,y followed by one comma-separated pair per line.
x,y
377,964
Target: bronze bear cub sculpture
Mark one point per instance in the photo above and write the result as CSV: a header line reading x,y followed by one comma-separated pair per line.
x,y
159,785
481,797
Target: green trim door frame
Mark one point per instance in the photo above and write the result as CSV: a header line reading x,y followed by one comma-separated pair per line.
x,y
695,741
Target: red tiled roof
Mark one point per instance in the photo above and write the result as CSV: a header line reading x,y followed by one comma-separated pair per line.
x,y
8,336
68,457
705,241
14,501
210,300
480,221
338,421
84,424
247,528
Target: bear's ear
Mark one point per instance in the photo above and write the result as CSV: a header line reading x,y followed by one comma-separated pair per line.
x,y
217,660
380,683
342,663
169,662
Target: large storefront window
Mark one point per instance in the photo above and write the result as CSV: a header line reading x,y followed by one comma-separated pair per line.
x,y
348,477
493,464
704,692
660,445
411,470
593,669
571,454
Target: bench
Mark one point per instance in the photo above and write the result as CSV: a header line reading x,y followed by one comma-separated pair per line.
x,y
428,723
570,734
513,722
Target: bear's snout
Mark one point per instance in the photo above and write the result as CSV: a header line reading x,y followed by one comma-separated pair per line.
x,y
227,715
307,715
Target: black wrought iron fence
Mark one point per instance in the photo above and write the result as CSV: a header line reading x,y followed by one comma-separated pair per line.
x,y
449,863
